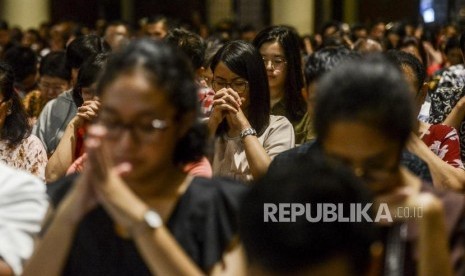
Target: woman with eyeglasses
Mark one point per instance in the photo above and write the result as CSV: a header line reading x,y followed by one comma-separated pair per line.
x,y
247,137
71,146
18,147
279,48
133,211
55,78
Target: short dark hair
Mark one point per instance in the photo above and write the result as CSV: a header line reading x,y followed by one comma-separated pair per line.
x,y
324,60
167,22
289,40
291,247
244,60
88,74
168,69
84,47
190,43
54,65
401,58
376,94
16,126
452,43
23,60
116,23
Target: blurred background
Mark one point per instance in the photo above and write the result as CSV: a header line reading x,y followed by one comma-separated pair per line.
x,y
307,16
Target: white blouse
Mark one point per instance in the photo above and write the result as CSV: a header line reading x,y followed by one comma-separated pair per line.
x,y
230,160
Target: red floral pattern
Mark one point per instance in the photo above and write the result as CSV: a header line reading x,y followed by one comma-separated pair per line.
x,y
444,142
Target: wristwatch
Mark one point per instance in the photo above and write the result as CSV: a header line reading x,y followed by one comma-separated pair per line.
x,y
248,131
152,219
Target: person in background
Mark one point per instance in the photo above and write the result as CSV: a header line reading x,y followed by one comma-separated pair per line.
x,y
117,34
57,113
247,33
301,247
5,38
156,27
246,137
71,146
193,46
32,39
18,147
24,62
363,120
317,65
54,78
447,99
437,144
280,50
367,46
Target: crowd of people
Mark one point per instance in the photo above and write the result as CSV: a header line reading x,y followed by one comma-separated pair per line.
x,y
154,149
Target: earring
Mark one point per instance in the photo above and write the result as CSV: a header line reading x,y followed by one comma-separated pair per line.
x,y
8,112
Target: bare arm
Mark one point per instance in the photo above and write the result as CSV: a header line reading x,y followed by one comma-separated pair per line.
x,y
63,156
444,175
258,159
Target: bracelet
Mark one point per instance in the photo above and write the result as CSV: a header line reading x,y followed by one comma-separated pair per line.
x,y
248,131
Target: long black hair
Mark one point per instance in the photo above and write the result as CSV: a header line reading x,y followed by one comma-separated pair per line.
x,y
16,126
244,60
288,39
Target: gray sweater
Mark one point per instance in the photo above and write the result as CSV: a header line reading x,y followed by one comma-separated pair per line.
x,y
54,119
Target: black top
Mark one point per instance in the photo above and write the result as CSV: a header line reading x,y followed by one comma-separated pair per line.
x,y
453,203
203,222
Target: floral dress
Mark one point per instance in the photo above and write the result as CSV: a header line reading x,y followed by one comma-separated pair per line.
x,y
29,156
444,142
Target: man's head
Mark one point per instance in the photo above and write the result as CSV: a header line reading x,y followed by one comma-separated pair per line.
x,y
55,77
364,114
414,72
321,62
117,34
157,27
302,247
81,49
189,43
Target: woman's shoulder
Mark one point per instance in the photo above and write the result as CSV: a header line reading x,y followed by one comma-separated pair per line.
x,y
281,127
34,146
217,188
207,196
278,119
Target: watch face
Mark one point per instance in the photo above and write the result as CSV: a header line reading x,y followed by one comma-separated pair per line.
x,y
152,219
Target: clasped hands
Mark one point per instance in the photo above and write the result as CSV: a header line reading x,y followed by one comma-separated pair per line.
x,y
228,104
101,183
